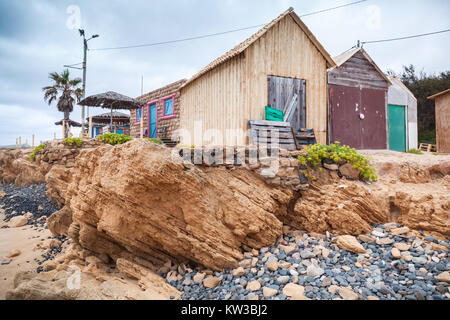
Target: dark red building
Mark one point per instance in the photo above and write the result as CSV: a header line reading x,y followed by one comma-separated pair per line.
x,y
357,96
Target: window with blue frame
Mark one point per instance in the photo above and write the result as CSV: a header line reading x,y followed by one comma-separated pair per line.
x,y
168,107
138,115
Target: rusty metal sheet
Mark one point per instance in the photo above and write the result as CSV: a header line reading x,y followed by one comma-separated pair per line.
x,y
358,117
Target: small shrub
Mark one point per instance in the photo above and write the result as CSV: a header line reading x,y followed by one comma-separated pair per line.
x,y
114,138
35,151
73,141
154,140
337,153
415,151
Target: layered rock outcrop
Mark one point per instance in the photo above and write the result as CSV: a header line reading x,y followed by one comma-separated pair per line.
x,y
134,199
16,166
140,202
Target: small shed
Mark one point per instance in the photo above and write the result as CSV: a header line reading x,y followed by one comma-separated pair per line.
x,y
402,117
281,64
100,123
442,109
357,98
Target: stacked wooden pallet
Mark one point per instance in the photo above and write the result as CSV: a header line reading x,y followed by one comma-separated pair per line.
x,y
428,147
265,133
168,143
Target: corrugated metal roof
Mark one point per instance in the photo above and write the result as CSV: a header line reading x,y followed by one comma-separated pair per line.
x,y
249,41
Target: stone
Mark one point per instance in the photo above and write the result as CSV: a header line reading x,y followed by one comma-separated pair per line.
x,y
346,268
384,241
444,277
247,263
283,279
372,298
396,253
325,252
314,271
399,231
293,290
419,260
402,246
18,221
333,289
14,253
269,292
307,254
59,222
348,294
366,239
5,261
272,265
211,282
349,172
326,282
350,243
253,285
198,277
332,167
238,272
288,249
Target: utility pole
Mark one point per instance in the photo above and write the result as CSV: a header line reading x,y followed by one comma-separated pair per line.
x,y
84,65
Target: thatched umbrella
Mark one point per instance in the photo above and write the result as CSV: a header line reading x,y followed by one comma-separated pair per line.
x,y
106,117
111,100
69,123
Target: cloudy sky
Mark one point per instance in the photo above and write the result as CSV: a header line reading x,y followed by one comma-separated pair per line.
x,y
37,37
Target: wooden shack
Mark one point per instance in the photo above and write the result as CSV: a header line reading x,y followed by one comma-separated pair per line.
x,y
282,63
402,117
357,90
219,100
442,109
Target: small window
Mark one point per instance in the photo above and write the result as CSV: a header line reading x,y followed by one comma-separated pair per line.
x,y
168,107
138,115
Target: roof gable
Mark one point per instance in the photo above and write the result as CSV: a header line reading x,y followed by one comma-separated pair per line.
x,y
396,81
346,56
249,41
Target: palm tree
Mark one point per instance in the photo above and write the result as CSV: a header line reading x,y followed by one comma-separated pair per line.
x,y
66,91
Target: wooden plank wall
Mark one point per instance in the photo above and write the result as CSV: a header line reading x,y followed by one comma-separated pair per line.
x,y
357,71
237,90
443,123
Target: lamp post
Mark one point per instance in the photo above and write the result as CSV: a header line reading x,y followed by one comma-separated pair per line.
x,y
85,48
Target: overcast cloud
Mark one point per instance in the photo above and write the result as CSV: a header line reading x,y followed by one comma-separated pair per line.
x,y
35,40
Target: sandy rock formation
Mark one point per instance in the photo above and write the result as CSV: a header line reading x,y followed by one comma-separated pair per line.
x,y
16,167
342,209
134,199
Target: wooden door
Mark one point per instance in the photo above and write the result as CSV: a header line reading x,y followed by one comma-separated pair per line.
x,y
397,128
152,121
286,91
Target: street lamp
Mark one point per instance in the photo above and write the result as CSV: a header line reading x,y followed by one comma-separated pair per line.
x,y
85,48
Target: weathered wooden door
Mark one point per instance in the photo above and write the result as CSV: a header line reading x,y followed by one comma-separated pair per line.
x,y
397,128
284,92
